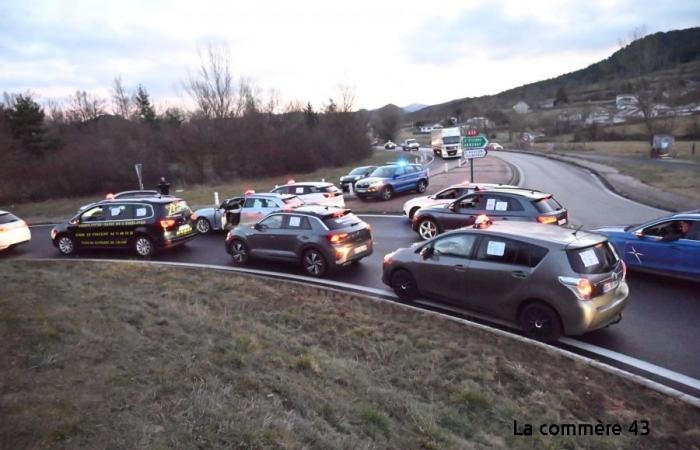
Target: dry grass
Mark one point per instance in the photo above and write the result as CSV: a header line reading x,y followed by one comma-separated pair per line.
x,y
681,149
62,208
123,356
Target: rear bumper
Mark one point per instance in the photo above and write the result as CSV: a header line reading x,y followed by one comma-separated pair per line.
x,y
346,254
593,317
15,236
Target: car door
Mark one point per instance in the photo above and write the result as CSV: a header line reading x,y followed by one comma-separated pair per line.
x,y
398,182
117,224
502,207
690,252
91,230
440,274
648,250
296,231
464,212
263,242
498,272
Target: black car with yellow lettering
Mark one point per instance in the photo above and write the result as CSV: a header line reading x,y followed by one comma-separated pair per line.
x,y
141,224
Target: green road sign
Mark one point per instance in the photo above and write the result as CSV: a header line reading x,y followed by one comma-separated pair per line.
x,y
474,141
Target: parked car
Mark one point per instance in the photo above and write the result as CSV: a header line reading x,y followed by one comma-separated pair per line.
x,y
143,224
321,239
387,180
548,280
314,193
13,231
493,146
448,195
389,145
669,245
355,174
410,145
244,210
125,194
499,204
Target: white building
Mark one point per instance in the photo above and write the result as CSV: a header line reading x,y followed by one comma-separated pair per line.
x,y
626,101
521,107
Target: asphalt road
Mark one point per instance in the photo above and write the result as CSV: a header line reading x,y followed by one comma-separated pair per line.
x,y
659,326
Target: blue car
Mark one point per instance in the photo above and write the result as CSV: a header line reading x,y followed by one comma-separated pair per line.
x,y
387,180
668,245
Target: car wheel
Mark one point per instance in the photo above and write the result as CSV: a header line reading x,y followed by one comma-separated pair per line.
x,y
203,226
404,285
314,263
427,229
386,193
66,245
239,252
541,322
412,212
143,246
422,186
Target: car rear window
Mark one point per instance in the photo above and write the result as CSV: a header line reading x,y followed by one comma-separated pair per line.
x,y
599,258
341,219
7,218
547,204
509,251
178,208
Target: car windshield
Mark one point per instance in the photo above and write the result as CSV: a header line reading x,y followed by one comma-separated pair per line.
x,y
358,171
451,140
383,172
599,258
410,141
293,202
7,218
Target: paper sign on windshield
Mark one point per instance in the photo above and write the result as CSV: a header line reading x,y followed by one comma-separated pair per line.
x,y
294,221
496,248
491,203
501,206
589,258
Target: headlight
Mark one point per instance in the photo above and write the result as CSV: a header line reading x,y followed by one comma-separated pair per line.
x,y
376,183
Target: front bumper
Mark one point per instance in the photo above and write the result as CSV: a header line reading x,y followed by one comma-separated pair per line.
x,y
373,191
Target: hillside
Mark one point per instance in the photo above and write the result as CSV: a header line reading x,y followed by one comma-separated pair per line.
x,y
671,58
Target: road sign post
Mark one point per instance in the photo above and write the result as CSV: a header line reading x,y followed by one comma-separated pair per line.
x,y
139,171
473,147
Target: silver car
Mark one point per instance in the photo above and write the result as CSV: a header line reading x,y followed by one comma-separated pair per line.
x,y
245,210
548,280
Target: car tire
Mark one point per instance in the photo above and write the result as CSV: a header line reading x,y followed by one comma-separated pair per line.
x,y
143,246
404,285
422,186
203,226
386,193
239,252
427,229
541,322
66,245
314,263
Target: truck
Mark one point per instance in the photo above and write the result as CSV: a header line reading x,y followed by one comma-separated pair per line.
x,y
446,142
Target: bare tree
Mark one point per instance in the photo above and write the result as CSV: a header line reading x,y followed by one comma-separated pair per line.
x,y
347,98
212,87
84,107
55,112
121,101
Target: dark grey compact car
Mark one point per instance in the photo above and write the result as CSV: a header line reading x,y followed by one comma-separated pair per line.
x,y
502,204
355,175
319,238
549,280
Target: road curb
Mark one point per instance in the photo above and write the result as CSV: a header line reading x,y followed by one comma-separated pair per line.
x,y
600,177
378,295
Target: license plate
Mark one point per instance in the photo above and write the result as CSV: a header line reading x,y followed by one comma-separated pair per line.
x,y
561,221
184,229
360,249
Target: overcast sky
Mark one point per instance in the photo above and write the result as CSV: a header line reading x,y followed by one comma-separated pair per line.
x,y
388,51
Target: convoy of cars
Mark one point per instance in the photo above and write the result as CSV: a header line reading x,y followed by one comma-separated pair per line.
x,y
495,249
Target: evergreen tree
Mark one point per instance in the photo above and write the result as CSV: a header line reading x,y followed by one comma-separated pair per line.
x,y
311,115
26,119
144,109
561,97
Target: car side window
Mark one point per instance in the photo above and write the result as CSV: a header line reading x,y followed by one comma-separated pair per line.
x,y
249,202
660,230
448,194
458,245
281,190
694,233
142,211
500,250
474,202
119,212
297,223
273,222
95,214
502,203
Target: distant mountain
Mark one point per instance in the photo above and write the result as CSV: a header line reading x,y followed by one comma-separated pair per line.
x,y
673,57
413,107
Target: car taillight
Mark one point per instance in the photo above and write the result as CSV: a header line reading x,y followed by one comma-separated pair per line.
x,y
582,287
546,219
167,223
337,238
3,229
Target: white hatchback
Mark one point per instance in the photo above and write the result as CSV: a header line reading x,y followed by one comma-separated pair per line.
x,y
447,195
13,231
314,193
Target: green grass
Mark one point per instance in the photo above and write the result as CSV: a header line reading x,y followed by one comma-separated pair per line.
x,y
150,357
196,195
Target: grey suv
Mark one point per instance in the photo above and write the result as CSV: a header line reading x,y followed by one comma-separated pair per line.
x,y
319,238
549,280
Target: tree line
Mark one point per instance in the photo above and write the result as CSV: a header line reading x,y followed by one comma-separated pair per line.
x,y
86,147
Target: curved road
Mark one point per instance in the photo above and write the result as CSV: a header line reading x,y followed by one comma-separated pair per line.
x,y
659,325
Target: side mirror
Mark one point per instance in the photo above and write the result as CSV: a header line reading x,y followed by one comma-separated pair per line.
x,y
639,234
427,252
260,226
452,206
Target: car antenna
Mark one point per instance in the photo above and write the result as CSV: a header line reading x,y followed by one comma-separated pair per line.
x,y
577,229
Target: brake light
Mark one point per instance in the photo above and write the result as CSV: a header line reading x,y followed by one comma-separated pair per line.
x,y
167,223
546,219
582,287
337,238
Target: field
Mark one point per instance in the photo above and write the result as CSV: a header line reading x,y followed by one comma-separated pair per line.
x,y
151,357
196,195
